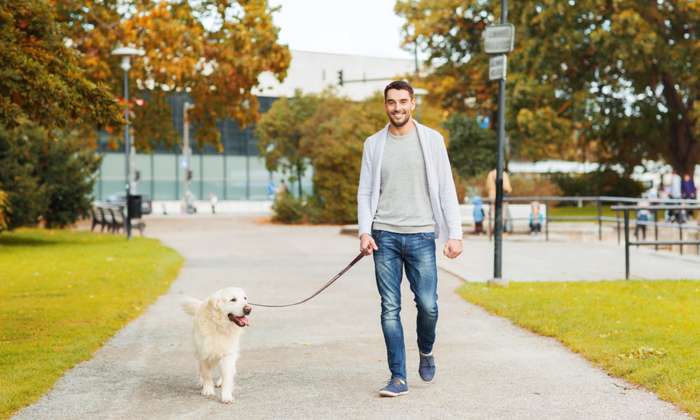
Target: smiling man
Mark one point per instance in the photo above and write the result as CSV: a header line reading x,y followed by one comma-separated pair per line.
x,y
406,201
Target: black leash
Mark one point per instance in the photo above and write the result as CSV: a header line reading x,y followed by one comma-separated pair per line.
x,y
325,286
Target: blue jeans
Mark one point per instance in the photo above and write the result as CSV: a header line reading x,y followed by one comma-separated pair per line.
x,y
416,253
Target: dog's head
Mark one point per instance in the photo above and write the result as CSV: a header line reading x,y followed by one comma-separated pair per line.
x,y
232,303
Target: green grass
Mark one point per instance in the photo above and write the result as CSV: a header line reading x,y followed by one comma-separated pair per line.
x,y
589,211
647,332
63,294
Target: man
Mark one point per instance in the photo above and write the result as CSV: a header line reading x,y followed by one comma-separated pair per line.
x,y
405,201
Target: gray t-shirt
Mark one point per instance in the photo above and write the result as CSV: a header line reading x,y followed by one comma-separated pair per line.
x,y
404,201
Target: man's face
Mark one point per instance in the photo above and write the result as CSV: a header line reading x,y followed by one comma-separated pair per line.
x,y
399,105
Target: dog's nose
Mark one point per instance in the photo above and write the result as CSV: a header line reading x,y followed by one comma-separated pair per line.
x,y
247,309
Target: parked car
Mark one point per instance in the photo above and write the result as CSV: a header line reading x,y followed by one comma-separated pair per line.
x,y
120,200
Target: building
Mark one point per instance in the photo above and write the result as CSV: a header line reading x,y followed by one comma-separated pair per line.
x,y
239,172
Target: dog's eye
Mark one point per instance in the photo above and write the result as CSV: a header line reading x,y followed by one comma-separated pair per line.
x,y
233,300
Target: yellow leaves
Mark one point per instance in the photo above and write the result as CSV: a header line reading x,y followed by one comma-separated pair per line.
x,y
642,353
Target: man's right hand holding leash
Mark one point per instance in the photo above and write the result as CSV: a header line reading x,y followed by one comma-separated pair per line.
x,y
367,244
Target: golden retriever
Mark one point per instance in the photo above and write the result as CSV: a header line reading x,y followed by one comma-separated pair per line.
x,y
218,326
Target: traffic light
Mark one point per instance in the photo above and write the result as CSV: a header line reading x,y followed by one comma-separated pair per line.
x,y
340,77
137,175
189,174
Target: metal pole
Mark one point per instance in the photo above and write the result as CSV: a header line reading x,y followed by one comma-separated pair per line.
x,y
546,222
600,220
247,169
187,155
680,236
201,174
656,229
627,244
498,245
225,192
153,175
617,217
127,154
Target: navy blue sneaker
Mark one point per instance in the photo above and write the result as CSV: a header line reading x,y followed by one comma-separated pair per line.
x,y
426,367
394,388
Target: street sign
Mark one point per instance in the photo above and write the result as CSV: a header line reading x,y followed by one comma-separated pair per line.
x,y
497,67
499,39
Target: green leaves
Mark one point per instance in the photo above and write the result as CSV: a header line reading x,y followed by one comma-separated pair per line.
x,y
47,176
589,80
327,132
472,149
41,79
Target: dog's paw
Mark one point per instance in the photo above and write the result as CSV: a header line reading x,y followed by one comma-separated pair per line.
x,y
218,382
208,390
226,399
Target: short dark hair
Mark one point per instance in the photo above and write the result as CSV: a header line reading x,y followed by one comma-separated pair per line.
x,y
398,85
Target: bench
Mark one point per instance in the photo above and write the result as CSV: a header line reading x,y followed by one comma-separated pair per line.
x,y
112,217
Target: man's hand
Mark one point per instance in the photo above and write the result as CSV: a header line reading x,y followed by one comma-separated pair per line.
x,y
367,244
453,248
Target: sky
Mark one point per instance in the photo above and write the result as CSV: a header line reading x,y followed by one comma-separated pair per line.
x,y
361,27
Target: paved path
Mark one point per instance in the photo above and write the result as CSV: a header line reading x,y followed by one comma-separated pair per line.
x,y
532,259
326,359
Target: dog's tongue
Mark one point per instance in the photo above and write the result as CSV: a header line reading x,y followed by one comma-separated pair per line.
x,y
240,320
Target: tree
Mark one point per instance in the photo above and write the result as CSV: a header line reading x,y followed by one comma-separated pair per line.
x,y
26,198
66,169
471,148
47,176
333,139
212,50
615,81
41,79
280,134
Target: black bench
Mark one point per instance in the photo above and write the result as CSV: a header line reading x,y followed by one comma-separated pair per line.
x,y
112,217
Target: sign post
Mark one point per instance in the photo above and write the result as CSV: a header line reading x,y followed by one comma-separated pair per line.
x,y
499,41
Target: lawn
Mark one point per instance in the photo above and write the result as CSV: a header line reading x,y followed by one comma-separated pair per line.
x,y
64,294
588,211
647,332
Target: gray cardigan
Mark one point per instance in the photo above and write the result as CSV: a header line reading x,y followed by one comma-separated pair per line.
x,y
441,186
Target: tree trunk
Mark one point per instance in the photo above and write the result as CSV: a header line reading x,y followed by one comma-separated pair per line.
x,y
299,169
683,147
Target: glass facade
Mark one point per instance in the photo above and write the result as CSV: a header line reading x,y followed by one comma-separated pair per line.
x,y
238,173
162,177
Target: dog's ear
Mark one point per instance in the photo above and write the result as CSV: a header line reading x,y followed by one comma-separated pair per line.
x,y
214,302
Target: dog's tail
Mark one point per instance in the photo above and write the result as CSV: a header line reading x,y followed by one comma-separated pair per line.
x,y
190,305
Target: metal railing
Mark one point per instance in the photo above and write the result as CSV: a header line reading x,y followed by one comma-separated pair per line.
x,y
656,242
599,218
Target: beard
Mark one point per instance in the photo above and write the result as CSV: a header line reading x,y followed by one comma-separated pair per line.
x,y
398,123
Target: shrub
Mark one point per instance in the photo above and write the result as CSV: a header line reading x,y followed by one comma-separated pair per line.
x,y
605,182
47,176
533,185
287,209
471,148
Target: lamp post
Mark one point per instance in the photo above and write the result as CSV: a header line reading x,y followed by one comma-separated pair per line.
x,y
187,205
126,53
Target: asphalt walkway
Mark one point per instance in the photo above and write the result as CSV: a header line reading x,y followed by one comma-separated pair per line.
x,y
326,359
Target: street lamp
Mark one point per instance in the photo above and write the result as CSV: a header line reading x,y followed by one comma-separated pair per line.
x,y
126,53
187,204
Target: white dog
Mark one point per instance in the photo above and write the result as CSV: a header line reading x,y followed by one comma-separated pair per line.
x,y
218,326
